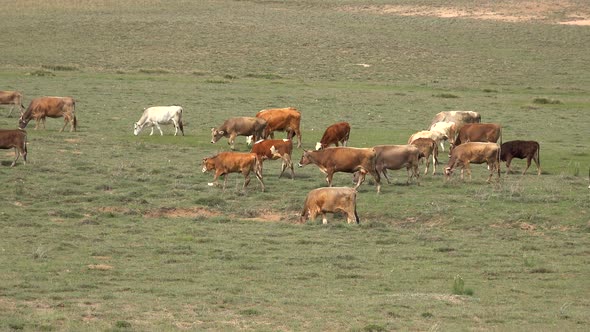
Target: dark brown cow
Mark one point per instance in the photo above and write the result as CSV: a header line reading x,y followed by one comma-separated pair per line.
x,y
239,126
17,139
427,148
330,200
52,107
274,149
343,159
234,162
474,153
478,132
521,149
282,119
396,157
334,134
13,98
460,118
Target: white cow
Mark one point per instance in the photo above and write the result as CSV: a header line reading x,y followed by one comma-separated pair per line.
x,y
447,128
436,136
156,115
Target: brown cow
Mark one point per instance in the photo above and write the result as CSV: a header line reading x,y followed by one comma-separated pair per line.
x,y
396,157
334,134
476,153
427,148
53,107
17,139
333,199
239,126
343,159
521,149
13,98
282,119
460,118
478,132
274,149
234,162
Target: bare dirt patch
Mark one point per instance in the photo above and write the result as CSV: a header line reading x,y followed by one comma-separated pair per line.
x,y
180,213
501,10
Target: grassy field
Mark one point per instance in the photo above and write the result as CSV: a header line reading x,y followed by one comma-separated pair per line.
x,y
103,230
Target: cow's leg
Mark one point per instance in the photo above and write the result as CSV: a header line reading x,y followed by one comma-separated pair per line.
x,y
442,145
329,176
224,181
17,154
384,171
528,164
175,127
258,174
508,161
324,219
160,129
231,141
246,179
537,162
152,132
362,173
66,121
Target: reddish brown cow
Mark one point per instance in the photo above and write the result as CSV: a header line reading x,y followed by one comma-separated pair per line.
x,y
239,126
427,148
521,149
274,149
343,159
334,199
13,98
476,153
478,132
334,134
53,107
17,139
282,119
234,162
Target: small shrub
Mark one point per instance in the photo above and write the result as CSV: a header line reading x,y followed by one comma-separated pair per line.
x,y
266,76
459,287
122,324
154,71
250,312
445,95
41,72
427,315
374,328
59,67
546,101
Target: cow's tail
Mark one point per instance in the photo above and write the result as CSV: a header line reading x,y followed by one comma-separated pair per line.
x,y
499,154
75,123
539,161
356,215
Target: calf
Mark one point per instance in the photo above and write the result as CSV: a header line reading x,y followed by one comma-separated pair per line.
x,y
334,134
156,115
239,126
436,136
333,199
396,157
427,148
13,98
274,149
17,139
521,149
476,153
234,162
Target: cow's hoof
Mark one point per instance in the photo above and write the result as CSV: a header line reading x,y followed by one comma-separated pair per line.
x,y
210,184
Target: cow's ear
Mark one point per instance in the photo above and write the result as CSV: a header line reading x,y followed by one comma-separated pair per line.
x,y
212,129
221,132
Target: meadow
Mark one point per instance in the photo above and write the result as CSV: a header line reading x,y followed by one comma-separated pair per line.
x,y
104,230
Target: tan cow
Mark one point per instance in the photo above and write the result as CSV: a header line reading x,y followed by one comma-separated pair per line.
x,y
282,119
396,157
239,126
474,153
13,98
330,200
17,139
449,129
334,134
343,159
274,149
460,118
427,148
436,136
234,162
478,132
52,107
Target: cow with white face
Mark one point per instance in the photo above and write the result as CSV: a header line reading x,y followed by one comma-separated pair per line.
x,y
157,115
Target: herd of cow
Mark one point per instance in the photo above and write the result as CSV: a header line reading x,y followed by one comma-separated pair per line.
x,y
471,142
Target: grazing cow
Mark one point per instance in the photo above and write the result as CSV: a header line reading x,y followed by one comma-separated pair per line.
x,y
474,153
436,136
13,98
427,148
282,119
447,128
157,115
333,199
17,139
478,132
343,159
234,162
458,117
521,149
334,134
274,149
396,157
53,107
239,126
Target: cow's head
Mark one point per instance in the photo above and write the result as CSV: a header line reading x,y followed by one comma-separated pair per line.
x,y
216,135
137,128
448,172
305,160
318,146
22,123
208,164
